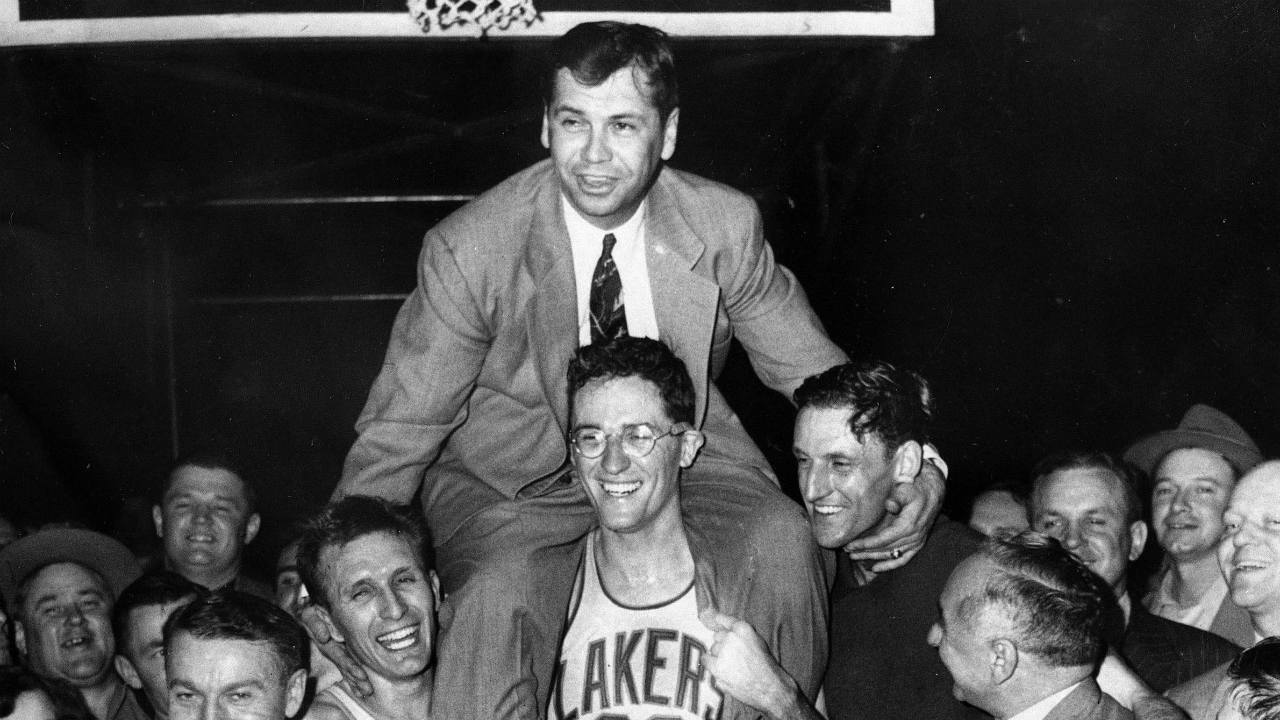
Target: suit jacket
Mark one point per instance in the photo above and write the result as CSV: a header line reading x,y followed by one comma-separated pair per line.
x,y
1202,696
1088,702
1165,653
473,386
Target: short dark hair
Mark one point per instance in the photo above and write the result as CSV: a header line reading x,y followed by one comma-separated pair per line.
x,y
213,458
1130,477
894,404
234,615
68,703
354,517
1056,604
627,356
1256,673
160,587
595,50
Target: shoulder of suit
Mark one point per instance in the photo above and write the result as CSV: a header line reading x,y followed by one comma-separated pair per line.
x,y
1187,635
699,196
504,210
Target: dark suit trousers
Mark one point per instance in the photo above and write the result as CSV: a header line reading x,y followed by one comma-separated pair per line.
x,y
508,572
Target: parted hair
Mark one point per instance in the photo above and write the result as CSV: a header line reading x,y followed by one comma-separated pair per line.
x,y
234,615
894,404
627,356
1129,476
350,518
595,50
1255,673
1055,603
160,587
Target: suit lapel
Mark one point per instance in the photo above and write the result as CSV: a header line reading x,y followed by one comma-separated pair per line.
x,y
683,301
553,308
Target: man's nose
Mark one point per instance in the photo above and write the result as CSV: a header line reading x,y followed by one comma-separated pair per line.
x,y
815,484
597,148
615,459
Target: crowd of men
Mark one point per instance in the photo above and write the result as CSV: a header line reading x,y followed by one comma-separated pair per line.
x,y
597,536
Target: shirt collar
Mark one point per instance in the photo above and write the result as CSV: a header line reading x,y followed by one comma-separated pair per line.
x,y
581,231
1039,710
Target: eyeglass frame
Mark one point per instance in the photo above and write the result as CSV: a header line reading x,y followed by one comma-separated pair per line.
x,y
604,447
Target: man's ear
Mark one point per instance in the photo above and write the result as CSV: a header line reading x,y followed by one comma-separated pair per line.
x,y
297,691
1004,659
435,586
127,672
670,129
906,461
546,127
157,517
251,528
20,638
691,441
1137,538
327,619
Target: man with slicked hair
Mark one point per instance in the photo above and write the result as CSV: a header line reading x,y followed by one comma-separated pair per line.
x,y
1020,631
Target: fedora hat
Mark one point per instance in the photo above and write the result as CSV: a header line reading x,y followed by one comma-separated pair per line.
x,y
93,550
1202,427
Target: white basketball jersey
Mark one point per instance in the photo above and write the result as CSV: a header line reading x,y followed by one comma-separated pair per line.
x,y
633,663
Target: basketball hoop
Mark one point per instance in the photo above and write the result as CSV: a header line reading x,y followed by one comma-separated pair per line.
x,y
481,15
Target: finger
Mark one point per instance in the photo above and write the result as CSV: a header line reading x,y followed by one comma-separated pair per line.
x,y
715,620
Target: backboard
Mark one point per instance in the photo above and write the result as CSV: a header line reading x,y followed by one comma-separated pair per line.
x,y
90,22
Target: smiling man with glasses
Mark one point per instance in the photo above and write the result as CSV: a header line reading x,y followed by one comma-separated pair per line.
x,y
635,644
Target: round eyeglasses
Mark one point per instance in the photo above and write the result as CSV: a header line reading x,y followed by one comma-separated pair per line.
x,y
637,440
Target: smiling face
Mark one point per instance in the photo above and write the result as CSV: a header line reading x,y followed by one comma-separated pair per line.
x,y
205,522
844,481
1249,553
1084,509
382,604
218,679
632,494
1192,486
64,628
607,142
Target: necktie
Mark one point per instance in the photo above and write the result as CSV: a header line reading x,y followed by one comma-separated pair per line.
x,y
608,316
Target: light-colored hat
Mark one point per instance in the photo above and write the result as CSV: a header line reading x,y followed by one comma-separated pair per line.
x,y
1202,427
96,551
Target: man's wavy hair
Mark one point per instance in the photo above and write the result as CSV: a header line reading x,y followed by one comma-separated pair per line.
x,y
897,405
234,615
593,51
350,518
646,359
1055,603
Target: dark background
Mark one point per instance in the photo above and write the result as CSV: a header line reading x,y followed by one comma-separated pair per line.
x,y
1064,214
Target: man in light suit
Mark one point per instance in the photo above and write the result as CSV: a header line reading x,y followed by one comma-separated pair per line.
x,y
471,405
1020,631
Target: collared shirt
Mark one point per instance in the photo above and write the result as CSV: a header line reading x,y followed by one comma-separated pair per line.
x,y
1045,706
1198,614
587,241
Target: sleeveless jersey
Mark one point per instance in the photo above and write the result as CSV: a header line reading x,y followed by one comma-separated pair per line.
x,y
348,704
632,663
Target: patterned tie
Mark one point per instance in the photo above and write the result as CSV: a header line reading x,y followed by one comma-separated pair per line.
x,y
608,316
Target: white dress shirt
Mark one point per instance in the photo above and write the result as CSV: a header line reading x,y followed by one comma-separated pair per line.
x,y
587,241
1045,706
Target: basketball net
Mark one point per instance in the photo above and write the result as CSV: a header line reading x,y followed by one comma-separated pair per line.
x,y
481,15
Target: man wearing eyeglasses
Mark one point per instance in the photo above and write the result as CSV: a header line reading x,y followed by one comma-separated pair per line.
x,y
635,644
